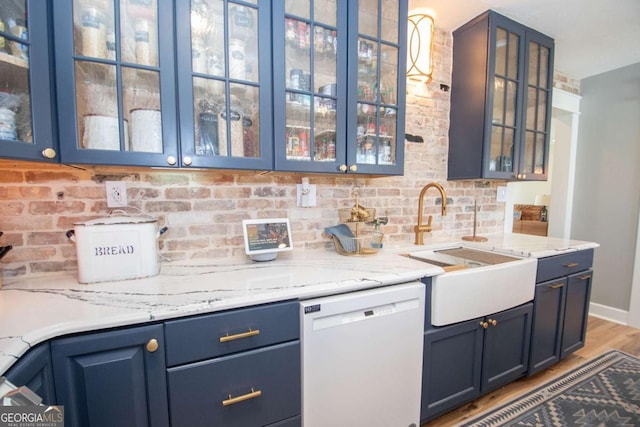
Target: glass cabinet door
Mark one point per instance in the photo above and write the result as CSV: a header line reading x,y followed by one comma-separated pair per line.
x,y
379,88
310,84
25,96
123,112
506,92
536,126
224,78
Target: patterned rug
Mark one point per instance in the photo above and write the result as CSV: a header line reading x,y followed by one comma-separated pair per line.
x,y
604,392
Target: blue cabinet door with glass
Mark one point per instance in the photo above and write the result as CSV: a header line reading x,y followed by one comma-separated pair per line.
x,y
115,73
224,83
337,77
26,117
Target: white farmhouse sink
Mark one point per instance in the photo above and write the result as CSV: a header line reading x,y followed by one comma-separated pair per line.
x,y
476,283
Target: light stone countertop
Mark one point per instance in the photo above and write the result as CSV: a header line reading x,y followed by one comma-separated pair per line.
x,y
33,310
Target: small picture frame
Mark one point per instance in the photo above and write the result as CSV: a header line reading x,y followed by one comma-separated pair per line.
x,y
265,238
517,215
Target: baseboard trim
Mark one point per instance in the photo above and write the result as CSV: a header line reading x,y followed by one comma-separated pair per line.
x,y
611,314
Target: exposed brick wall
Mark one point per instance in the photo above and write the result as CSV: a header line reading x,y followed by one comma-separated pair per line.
x,y
565,82
204,209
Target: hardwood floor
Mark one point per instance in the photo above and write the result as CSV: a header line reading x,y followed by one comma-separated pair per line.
x,y
601,336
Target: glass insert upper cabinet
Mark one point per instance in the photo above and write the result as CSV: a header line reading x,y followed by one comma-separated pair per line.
x,y
26,128
335,104
116,82
224,82
500,100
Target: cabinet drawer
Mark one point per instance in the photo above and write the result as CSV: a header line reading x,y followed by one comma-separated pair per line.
x,y
268,379
205,337
563,265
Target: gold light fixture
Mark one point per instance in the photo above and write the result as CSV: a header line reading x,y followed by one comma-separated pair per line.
x,y
420,47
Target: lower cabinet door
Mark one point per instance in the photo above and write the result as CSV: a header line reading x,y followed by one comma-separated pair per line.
x,y
506,347
252,388
114,378
546,332
576,310
34,370
451,367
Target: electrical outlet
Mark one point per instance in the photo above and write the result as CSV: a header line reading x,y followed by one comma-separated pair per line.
x,y
501,194
116,194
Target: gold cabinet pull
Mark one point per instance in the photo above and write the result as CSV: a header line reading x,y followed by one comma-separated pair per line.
x,y
484,325
571,265
343,168
493,322
249,333
171,160
353,168
152,345
187,161
585,277
233,400
556,286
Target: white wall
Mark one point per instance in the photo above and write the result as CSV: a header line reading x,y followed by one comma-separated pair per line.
x,y
607,189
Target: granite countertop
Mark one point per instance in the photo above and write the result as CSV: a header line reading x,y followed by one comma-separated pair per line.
x,y
35,309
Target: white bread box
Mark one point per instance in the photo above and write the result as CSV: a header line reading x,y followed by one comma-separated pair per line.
x,y
116,248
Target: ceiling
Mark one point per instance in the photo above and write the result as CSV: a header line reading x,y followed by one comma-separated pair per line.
x,y
592,36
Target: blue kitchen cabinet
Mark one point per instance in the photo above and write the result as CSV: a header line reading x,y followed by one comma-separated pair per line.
x,y
500,100
224,84
561,307
115,76
112,378
467,359
140,93
235,368
339,86
27,128
35,371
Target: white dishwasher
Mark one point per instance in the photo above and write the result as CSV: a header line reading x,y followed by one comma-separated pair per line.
x,y
362,358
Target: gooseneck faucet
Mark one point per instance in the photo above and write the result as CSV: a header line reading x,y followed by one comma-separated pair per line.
x,y
421,228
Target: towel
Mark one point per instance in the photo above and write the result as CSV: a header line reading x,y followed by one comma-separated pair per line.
x,y
344,235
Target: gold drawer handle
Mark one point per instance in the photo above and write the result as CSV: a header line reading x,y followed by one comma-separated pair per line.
x,y
152,345
484,325
493,322
233,400
556,286
249,333
571,265
585,277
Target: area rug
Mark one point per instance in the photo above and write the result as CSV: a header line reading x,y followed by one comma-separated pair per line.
x,y
603,392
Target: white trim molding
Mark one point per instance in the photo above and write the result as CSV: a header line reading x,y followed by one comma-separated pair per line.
x,y
611,314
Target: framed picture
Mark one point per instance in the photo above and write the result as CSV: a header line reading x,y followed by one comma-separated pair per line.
x,y
264,238
517,214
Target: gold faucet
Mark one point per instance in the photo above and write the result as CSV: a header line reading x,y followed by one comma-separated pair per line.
x,y
421,228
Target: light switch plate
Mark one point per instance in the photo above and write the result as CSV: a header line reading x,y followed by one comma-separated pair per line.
x,y
501,194
309,200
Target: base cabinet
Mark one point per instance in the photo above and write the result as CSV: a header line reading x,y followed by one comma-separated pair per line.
x,y
561,308
467,359
34,371
114,378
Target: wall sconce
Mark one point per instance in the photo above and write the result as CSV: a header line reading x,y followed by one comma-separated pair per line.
x,y
420,47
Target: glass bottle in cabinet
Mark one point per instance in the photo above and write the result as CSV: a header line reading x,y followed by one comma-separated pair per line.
x,y
379,120
121,82
26,129
310,84
223,64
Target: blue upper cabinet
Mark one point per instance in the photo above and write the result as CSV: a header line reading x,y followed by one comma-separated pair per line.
x,y
500,100
115,72
26,119
339,85
224,83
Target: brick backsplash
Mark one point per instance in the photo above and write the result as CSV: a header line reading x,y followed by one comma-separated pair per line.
x,y
204,208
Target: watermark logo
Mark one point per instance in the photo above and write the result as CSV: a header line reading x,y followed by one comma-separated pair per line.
x,y
31,416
